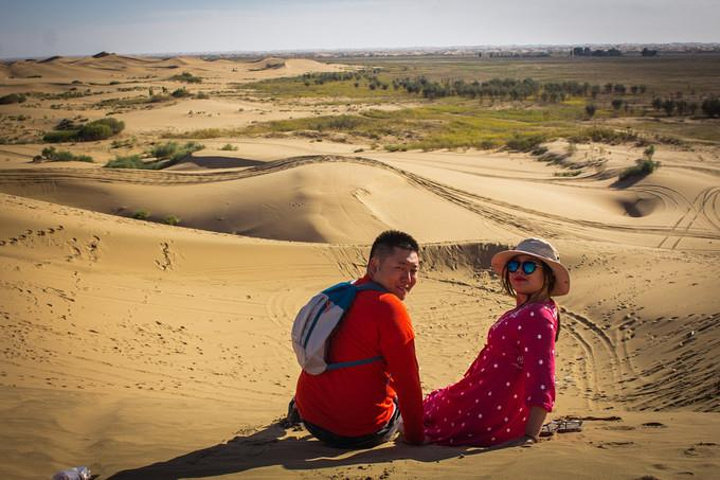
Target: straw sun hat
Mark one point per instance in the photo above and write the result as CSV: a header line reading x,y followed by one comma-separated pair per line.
x,y
542,250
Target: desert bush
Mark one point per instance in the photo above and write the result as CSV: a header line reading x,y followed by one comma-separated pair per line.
x,y
12,98
229,148
92,132
134,161
711,107
53,155
186,77
172,152
202,96
649,152
603,135
180,93
590,109
116,126
172,220
642,168
67,131
527,143
60,136
141,215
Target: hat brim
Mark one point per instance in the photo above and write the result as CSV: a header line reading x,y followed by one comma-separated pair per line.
x,y
562,275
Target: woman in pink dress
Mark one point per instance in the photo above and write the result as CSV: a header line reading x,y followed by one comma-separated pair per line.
x,y
505,395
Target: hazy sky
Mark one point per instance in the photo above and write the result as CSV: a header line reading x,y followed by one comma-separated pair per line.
x,y
34,28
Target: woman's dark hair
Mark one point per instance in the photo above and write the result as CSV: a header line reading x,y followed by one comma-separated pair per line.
x,y
548,285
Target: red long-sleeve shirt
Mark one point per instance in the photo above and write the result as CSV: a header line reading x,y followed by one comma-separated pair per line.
x,y
358,400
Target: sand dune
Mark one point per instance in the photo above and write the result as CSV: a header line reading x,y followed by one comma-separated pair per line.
x,y
146,350
120,66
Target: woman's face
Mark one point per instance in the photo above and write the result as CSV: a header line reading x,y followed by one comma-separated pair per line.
x,y
526,283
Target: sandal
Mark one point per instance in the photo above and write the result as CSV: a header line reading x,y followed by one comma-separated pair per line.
x,y
561,425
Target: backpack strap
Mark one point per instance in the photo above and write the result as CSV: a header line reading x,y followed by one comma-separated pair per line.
x,y
369,286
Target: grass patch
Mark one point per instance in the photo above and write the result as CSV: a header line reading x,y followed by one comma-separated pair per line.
x,y
186,77
141,215
132,161
202,134
173,152
101,129
50,154
446,125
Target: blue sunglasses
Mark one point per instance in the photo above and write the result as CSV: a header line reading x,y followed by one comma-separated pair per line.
x,y
528,267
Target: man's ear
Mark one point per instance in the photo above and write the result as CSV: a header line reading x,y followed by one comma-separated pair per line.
x,y
373,265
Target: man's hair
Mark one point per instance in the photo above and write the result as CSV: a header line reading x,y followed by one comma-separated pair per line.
x,y
390,239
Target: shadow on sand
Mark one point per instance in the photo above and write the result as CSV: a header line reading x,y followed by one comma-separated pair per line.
x,y
272,446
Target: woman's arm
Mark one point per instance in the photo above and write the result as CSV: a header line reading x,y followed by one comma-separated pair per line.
x,y
532,429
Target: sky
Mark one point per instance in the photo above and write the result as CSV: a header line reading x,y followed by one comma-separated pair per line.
x,y
42,28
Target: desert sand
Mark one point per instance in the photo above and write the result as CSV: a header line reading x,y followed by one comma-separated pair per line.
x,y
146,350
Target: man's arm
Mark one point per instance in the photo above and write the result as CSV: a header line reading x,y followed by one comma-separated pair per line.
x,y
402,365
397,344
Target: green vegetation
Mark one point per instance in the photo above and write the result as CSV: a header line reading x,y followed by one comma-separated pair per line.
x,y
141,215
643,167
230,148
68,131
180,93
186,77
50,154
441,125
172,220
161,156
711,107
174,152
12,98
131,161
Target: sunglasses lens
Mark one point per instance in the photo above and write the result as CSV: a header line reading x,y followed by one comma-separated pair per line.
x,y
513,266
529,267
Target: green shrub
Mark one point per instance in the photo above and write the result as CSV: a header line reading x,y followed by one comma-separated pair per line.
x,y
186,77
228,147
116,126
180,93
643,167
53,155
60,136
93,131
141,215
172,220
527,143
12,98
67,131
173,152
130,161
603,135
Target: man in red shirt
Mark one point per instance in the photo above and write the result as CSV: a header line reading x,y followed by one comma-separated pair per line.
x,y
360,406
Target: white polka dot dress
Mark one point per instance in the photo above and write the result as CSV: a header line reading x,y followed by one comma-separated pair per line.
x,y
514,372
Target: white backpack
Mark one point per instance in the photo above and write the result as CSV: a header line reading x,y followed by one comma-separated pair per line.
x,y
316,322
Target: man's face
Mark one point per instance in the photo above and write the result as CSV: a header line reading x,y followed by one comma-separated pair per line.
x,y
396,272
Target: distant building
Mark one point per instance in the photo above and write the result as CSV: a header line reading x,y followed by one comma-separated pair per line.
x,y
646,52
587,52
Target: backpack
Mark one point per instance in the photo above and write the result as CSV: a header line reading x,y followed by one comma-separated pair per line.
x,y
316,322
